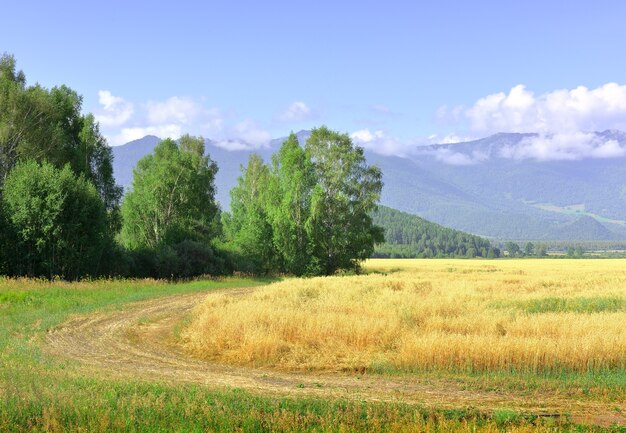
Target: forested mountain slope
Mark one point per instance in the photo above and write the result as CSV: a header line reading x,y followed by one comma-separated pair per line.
x,y
408,235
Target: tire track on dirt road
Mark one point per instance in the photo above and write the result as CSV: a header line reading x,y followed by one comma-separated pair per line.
x,y
138,341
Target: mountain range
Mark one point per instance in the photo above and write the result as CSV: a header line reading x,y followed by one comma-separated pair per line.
x,y
485,187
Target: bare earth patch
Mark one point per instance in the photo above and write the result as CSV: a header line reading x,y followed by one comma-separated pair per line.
x,y
139,342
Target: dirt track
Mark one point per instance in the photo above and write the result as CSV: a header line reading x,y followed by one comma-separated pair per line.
x,y
138,341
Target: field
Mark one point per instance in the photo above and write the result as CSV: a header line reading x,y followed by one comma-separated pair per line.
x,y
415,345
539,317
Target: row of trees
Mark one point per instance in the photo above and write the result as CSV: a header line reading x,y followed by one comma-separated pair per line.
x,y
530,250
307,212
311,210
540,250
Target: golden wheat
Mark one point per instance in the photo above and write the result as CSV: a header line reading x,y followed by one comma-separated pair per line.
x,y
455,315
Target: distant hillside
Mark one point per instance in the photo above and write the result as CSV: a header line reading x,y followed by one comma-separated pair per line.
x,y
487,194
585,229
126,157
508,198
410,236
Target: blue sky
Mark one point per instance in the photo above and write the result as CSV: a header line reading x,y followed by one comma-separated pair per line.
x,y
394,73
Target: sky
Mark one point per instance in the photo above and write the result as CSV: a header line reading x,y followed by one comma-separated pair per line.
x,y
393,74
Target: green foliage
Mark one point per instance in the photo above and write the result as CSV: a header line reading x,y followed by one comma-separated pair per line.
x,y
596,248
47,125
513,249
56,224
408,236
182,260
172,197
346,192
95,160
574,305
541,250
293,180
310,212
248,226
529,249
575,252
170,217
171,210
6,239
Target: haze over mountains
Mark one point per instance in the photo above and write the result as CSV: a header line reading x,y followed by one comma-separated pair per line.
x,y
505,186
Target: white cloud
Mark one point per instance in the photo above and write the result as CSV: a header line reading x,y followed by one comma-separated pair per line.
x,y
579,109
542,147
564,147
179,110
251,133
187,113
245,135
298,111
365,136
135,133
609,149
234,145
379,142
564,119
175,116
450,157
115,110
451,138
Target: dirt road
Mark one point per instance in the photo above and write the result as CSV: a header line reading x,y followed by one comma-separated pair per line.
x,y
138,342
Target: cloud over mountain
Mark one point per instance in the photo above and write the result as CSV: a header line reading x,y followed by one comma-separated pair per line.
x,y
379,142
248,136
565,111
565,147
562,121
123,121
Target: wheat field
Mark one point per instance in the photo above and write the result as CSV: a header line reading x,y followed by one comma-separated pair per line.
x,y
539,316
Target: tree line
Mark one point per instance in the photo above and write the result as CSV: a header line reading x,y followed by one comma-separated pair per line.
x,y
568,248
306,212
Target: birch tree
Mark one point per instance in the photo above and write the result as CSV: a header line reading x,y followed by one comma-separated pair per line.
x,y
172,197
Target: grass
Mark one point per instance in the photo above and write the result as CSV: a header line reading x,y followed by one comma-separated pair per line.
x,y
40,393
103,406
574,305
532,317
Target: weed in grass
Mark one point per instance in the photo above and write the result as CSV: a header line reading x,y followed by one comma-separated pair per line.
x,y
574,305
